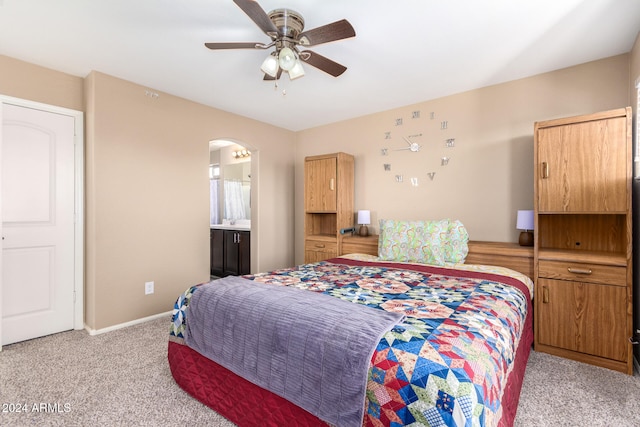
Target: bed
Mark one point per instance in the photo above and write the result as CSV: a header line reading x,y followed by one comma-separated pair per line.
x,y
456,356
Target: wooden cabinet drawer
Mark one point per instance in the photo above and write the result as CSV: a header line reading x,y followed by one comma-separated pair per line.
x,y
318,250
320,246
591,273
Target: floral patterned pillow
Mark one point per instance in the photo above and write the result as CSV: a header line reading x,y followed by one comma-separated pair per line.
x,y
427,242
455,246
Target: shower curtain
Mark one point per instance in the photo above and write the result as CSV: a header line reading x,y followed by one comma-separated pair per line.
x,y
233,200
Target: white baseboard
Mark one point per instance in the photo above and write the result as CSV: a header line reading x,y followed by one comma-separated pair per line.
x,y
126,324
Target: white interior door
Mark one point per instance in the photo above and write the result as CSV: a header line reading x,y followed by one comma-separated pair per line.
x,y
37,207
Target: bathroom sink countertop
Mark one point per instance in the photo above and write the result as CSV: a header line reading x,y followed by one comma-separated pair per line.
x,y
240,227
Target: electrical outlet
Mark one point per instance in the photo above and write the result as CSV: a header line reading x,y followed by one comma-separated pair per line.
x,y
148,288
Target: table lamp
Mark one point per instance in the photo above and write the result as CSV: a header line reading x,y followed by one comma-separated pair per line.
x,y
525,222
364,219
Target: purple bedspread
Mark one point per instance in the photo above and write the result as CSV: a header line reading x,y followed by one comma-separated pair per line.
x,y
312,349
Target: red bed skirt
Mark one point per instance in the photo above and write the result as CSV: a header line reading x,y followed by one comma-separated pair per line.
x,y
230,395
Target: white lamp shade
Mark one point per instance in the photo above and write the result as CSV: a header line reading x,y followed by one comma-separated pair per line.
x,y
524,220
364,217
297,71
270,66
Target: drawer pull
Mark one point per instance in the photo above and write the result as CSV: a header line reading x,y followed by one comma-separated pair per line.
x,y
586,271
319,245
545,170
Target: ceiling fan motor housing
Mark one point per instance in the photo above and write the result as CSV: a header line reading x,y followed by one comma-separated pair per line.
x,y
288,22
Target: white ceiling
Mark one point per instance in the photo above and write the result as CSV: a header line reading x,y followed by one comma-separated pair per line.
x,y
404,52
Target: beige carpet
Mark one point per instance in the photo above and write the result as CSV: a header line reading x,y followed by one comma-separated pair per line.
x,y
122,378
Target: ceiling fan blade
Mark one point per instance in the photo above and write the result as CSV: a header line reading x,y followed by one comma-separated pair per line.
x,y
322,63
257,15
327,33
236,45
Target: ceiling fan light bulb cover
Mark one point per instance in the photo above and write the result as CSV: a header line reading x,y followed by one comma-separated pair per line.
x,y
270,66
297,71
287,58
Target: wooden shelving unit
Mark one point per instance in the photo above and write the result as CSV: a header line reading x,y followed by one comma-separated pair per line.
x,y
583,238
328,204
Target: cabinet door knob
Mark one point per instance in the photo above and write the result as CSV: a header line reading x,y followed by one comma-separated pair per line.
x,y
586,271
545,295
332,184
545,170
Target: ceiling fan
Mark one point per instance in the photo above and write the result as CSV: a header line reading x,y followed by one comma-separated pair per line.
x,y
285,28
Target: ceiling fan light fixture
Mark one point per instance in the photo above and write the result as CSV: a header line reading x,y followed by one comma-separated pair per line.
x,y
297,71
287,58
270,66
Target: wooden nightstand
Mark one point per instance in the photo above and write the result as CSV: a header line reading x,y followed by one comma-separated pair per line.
x,y
360,245
504,254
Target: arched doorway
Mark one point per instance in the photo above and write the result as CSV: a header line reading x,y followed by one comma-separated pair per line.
x,y
233,169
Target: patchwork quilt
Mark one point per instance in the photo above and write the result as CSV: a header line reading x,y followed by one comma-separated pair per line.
x,y
448,362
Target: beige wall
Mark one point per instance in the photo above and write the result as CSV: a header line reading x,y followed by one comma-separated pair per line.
x,y
490,172
27,81
148,196
634,65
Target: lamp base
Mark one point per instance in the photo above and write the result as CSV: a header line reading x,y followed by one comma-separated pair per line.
x,y
526,238
363,231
